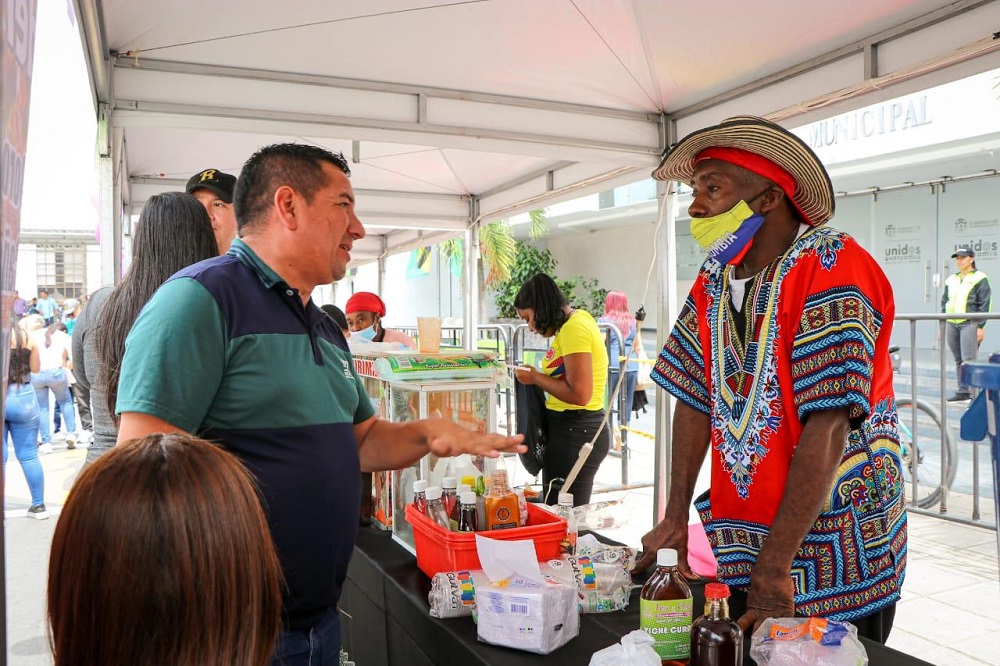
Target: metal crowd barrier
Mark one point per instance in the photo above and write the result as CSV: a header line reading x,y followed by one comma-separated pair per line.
x,y
947,414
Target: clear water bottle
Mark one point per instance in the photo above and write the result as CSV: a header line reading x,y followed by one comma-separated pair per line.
x,y
565,510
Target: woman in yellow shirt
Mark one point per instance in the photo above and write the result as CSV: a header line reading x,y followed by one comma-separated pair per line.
x,y
573,375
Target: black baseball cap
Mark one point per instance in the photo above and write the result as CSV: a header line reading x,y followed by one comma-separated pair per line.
x,y
963,251
213,180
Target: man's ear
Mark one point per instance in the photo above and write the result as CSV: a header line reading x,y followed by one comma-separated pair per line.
x,y
771,199
285,205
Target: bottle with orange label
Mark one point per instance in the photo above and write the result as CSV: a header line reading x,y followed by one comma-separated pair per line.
x,y
502,510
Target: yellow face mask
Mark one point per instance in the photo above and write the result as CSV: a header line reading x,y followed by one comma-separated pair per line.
x,y
727,237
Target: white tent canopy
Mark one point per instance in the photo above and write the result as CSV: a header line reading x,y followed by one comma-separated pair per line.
x,y
456,112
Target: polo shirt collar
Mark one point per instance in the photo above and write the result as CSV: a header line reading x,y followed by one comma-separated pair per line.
x,y
249,258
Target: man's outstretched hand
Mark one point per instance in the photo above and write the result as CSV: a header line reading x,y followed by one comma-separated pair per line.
x,y
447,438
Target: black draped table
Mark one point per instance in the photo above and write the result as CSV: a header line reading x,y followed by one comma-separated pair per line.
x,y
386,620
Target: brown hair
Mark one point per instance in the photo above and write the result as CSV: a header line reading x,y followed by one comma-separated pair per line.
x,y
162,555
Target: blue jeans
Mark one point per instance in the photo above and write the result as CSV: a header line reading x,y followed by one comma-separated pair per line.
x,y
319,646
55,381
627,389
20,420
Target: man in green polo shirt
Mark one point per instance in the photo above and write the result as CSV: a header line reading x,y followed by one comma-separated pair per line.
x,y
233,349
965,292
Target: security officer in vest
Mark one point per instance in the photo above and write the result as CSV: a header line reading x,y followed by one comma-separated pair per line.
x,y
965,292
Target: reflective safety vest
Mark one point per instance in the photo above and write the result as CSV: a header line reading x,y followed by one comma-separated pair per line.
x,y
966,295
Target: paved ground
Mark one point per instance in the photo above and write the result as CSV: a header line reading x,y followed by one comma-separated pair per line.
x,y
28,541
950,612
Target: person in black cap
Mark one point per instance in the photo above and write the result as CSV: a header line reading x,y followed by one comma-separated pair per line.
x,y
966,291
214,189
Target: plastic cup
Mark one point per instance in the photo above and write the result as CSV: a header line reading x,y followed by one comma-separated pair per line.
x,y
429,335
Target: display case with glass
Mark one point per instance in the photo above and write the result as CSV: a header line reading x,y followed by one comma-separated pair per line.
x,y
467,401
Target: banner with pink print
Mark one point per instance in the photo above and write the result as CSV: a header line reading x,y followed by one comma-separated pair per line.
x,y
17,30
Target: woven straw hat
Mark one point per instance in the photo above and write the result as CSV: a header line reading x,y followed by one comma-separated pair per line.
x,y
814,192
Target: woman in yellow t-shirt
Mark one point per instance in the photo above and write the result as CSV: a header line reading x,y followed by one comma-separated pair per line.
x,y
573,375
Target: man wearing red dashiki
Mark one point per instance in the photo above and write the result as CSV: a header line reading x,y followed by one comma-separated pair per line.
x,y
779,362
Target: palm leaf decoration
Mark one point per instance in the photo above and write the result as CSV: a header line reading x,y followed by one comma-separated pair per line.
x,y
496,243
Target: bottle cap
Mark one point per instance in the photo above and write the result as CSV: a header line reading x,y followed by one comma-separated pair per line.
x,y
565,499
467,497
434,493
419,486
449,482
464,488
716,591
665,557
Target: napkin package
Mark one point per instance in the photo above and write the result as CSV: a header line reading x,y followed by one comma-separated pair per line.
x,y
527,615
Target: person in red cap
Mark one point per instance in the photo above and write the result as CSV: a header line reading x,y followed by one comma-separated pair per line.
x,y
364,317
779,363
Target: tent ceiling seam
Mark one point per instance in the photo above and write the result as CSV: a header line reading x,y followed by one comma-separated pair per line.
x,y
311,24
615,54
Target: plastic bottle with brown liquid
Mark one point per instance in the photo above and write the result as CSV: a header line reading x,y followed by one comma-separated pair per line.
x,y
502,511
467,519
666,609
716,639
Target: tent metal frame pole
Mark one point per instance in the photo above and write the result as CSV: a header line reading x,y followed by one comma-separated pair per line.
x,y
666,289
382,255
470,324
127,61
107,194
138,113
91,26
365,193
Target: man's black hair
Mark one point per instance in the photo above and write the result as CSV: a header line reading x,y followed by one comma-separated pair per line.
x,y
336,314
297,165
542,294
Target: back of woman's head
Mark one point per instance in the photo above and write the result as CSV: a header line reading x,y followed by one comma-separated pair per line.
x,y
616,310
162,555
542,295
173,232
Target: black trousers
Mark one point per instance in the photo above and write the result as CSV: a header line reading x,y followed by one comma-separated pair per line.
x,y
82,395
567,433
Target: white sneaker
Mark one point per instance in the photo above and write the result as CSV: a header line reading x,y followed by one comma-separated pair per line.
x,y
45,448
58,436
38,512
84,437
71,441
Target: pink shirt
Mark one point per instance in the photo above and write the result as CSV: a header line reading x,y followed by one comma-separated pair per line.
x,y
392,335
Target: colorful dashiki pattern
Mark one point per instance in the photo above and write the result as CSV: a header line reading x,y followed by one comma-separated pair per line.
x,y
813,335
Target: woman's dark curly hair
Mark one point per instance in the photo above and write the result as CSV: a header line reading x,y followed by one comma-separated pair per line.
x,y
542,294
